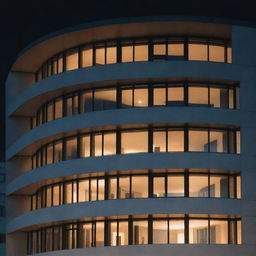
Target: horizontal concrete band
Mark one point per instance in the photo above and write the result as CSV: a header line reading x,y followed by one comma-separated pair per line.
x,y
160,250
127,117
121,207
124,162
123,71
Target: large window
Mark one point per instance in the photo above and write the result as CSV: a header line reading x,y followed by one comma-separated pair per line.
x,y
138,96
141,140
138,184
139,230
153,49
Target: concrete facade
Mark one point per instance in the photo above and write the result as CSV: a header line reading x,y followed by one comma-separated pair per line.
x,y
24,96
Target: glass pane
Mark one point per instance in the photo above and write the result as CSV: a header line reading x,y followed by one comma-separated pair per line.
x,y
71,148
159,141
198,141
50,112
112,188
218,186
198,231
229,52
111,55
238,145
58,108
127,53
198,185
105,99
86,102
176,232
100,56
85,146
160,232
140,232
93,190
176,49
141,53
85,235
198,95
123,233
69,106
159,187
139,186
68,193
134,142
99,234
83,190
231,97
175,185
56,195
86,56
124,187
50,154
109,144
60,64
101,189
74,192
140,97
97,147
218,98
72,60
75,105
127,98
216,53
218,232
197,52
238,187
175,95
239,232
159,97
114,238
175,141
232,187
48,239
218,141
58,152
48,196
159,49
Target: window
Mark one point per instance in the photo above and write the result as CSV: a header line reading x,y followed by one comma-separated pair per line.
x,y
175,141
159,186
124,187
176,232
140,97
216,53
219,98
118,233
139,187
71,148
140,232
218,141
58,108
197,51
112,188
85,236
104,99
175,48
198,95
141,52
72,60
83,191
111,55
198,186
175,186
127,53
58,151
99,234
160,232
159,141
86,55
127,142
219,186
198,140
159,97
175,96
99,55
218,232
85,146
198,231
86,102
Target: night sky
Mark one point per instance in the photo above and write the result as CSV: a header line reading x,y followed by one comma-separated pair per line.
x,y
23,21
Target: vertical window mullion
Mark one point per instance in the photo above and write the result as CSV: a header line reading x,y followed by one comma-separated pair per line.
x,y
186,233
209,232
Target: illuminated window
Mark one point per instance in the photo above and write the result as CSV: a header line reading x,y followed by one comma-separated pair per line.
x,y
127,53
198,186
219,186
99,234
139,186
198,231
176,232
197,51
109,144
85,146
140,97
218,232
86,102
104,99
111,55
198,95
141,53
128,139
159,97
140,232
216,53
86,55
160,232
159,141
72,60
71,148
175,186
175,141
198,140
159,187
100,55
124,187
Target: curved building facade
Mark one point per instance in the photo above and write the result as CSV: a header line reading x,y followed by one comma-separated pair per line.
x,y
133,137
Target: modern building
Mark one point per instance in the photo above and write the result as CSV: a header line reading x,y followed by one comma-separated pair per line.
x,y
123,138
